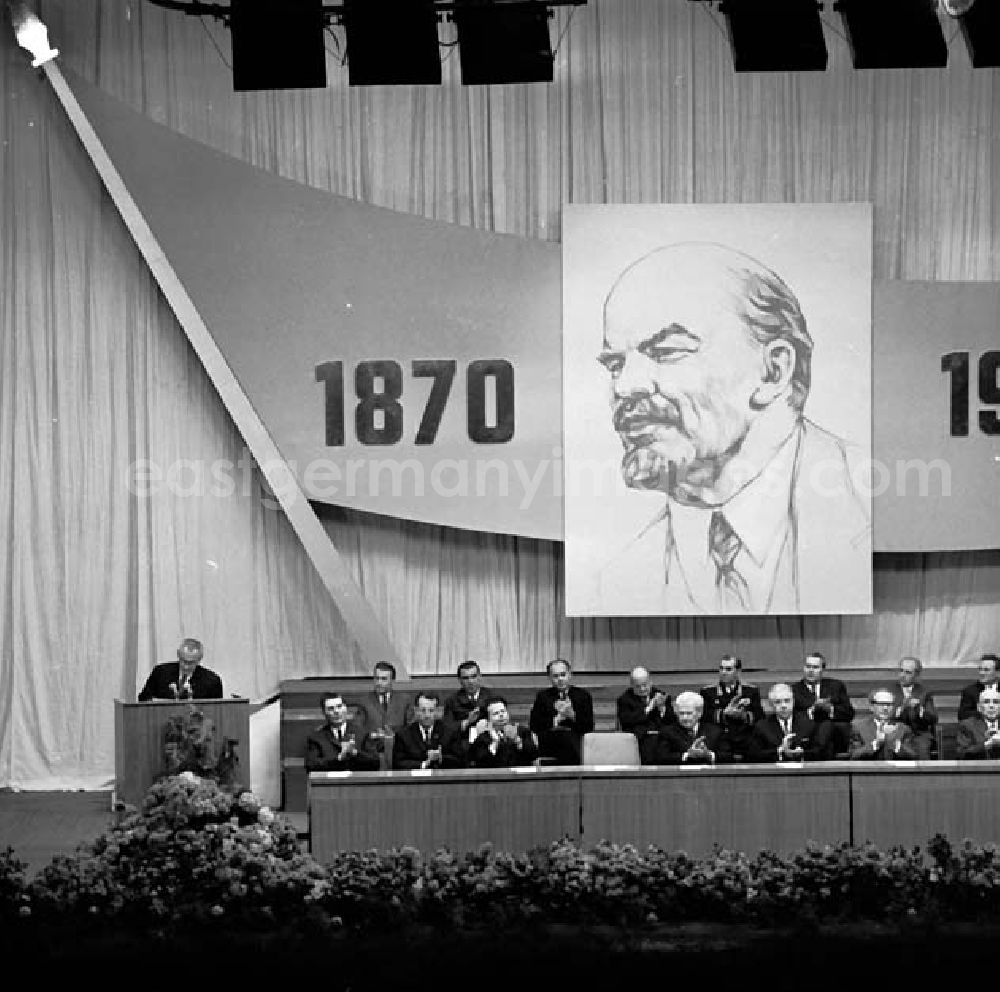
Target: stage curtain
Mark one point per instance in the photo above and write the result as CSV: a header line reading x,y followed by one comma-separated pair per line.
x,y
99,582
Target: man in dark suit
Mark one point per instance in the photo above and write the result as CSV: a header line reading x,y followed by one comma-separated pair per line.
x,y
826,702
644,710
785,735
989,674
561,715
427,742
979,735
733,705
466,708
503,744
691,740
913,705
383,711
339,744
184,678
878,736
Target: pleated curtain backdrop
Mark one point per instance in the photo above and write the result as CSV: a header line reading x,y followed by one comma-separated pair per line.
x,y
95,372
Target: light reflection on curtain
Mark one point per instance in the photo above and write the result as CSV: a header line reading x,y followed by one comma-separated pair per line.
x,y
99,583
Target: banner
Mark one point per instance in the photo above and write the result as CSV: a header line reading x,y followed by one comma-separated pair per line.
x,y
413,368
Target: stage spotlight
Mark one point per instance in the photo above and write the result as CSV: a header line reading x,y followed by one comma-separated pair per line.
x,y
32,35
775,35
503,42
980,26
893,34
391,41
277,44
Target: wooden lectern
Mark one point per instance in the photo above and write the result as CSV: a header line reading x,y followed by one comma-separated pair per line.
x,y
139,730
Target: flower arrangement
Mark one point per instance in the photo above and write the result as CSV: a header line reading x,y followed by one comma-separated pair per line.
x,y
194,853
189,746
198,859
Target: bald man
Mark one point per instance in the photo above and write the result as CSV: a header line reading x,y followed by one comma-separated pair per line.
x,y
709,359
644,710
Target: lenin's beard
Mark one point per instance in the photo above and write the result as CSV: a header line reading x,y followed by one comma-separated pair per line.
x,y
678,445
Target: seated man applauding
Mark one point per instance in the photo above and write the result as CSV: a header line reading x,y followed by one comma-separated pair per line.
x,y
979,735
787,734
427,742
644,710
878,737
503,744
691,741
333,747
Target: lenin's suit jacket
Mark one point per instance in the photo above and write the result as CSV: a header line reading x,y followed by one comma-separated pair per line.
x,y
829,536
398,714
970,741
323,751
863,737
205,684
409,749
674,740
508,754
803,697
767,736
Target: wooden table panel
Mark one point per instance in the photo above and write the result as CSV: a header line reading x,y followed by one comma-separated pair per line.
x,y
909,803
743,808
460,810
139,730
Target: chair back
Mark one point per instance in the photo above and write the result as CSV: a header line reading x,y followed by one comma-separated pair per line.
x,y
611,747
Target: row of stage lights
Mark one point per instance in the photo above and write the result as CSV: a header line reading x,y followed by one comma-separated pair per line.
x,y
280,44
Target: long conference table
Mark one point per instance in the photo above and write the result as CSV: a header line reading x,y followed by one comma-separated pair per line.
x,y
741,807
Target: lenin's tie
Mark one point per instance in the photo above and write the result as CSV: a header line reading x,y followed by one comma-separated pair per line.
x,y
723,546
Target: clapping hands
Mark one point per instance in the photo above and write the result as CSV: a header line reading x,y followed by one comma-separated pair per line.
x,y
564,710
788,747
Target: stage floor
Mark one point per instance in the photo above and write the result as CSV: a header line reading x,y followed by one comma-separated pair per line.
x,y
40,825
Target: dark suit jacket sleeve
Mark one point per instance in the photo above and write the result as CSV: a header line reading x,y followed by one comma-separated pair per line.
x,y
719,743
843,708
583,707
316,758
407,752
631,711
968,744
969,703
149,689
762,748
542,714
451,716
529,750
212,688
930,715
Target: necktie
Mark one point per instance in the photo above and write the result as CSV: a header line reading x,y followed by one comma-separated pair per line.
x,y
784,727
384,699
723,547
